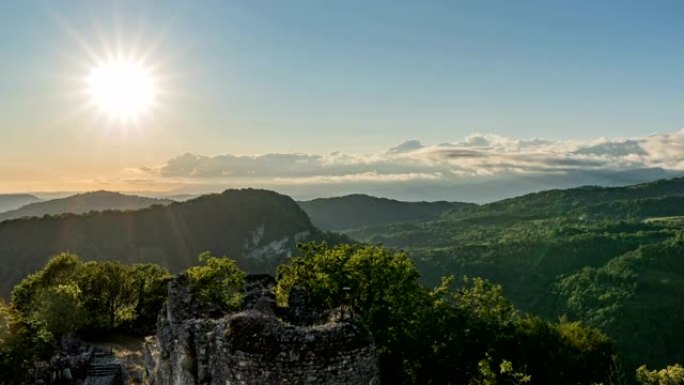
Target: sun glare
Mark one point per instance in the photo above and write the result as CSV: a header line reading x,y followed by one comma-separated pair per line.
x,y
122,89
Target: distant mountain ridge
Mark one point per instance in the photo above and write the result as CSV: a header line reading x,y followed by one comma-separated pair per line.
x,y
352,212
83,203
258,228
639,201
555,202
359,210
14,201
483,189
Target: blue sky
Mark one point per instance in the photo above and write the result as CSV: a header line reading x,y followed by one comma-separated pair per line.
x,y
256,77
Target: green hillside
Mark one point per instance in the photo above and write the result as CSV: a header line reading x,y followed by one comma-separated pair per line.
x,y
560,202
609,257
638,297
256,227
358,210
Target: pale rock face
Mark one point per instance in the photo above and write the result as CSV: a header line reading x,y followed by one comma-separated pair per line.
x,y
258,234
278,249
262,344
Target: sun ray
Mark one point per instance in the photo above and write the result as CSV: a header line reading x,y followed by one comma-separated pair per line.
x,y
80,41
123,80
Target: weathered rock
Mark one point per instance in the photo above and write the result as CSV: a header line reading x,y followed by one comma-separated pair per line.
x,y
254,346
80,363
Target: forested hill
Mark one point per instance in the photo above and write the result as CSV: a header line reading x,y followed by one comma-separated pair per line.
x,y
14,201
358,210
609,257
258,228
83,203
561,202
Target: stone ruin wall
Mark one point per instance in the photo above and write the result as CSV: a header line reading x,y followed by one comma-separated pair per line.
x,y
262,344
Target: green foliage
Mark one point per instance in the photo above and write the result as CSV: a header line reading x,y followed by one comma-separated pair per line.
x,y
61,307
373,276
22,342
637,298
66,296
581,338
234,223
435,336
513,377
561,202
671,375
609,257
150,282
476,320
358,210
379,284
596,295
109,293
506,375
60,269
485,374
484,300
218,280
70,296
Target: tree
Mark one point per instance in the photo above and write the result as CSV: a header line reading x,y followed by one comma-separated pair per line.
x,y
150,282
109,293
380,285
22,342
218,281
437,337
59,269
61,307
505,375
93,296
484,300
671,375
368,278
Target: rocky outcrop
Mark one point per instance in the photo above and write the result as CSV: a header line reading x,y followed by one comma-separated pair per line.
x,y
261,344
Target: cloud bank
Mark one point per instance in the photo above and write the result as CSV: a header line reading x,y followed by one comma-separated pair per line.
x,y
438,171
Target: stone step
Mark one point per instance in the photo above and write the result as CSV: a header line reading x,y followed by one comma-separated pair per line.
x,y
101,370
104,370
102,374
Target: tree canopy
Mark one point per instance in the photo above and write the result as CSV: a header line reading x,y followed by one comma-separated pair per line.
x,y
445,335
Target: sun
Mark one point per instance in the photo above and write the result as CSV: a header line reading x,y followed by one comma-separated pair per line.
x,y
123,89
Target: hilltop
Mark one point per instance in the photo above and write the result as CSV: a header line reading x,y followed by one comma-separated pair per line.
x,y
550,203
14,201
258,228
358,210
83,203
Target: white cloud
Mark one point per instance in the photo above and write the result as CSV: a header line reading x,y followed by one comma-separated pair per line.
x,y
476,158
367,177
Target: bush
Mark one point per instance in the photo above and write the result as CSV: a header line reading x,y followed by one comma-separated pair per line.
x,y
218,281
72,296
